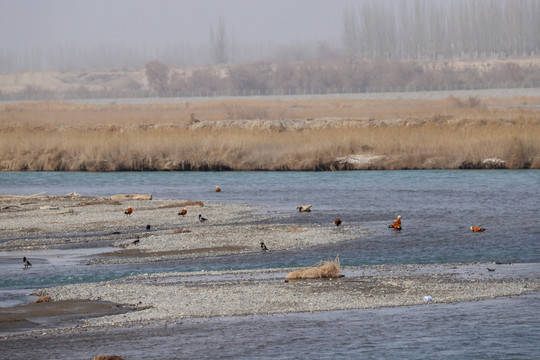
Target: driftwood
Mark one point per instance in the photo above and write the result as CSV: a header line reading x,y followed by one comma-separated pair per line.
x,y
132,197
303,208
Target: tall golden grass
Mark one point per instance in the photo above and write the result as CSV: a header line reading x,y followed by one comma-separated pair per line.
x,y
420,134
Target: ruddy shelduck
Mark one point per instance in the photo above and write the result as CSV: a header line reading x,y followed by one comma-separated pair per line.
x,y
128,211
218,189
337,222
477,229
396,224
183,212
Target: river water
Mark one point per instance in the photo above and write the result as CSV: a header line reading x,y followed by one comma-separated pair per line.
x,y
437,209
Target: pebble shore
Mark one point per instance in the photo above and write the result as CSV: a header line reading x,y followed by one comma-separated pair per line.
x,y
172,296
79,221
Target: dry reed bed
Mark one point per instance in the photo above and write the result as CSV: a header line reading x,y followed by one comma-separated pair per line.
x,y
272,135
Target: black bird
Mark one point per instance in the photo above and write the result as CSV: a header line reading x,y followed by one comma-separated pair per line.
x,y
201,219
148,227
26,263
136,241
263,246
490,269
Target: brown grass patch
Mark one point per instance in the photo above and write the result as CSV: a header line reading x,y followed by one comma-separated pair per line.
x,y
324,270
43,299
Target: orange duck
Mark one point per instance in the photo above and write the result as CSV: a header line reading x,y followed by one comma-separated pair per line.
x,y
128,211
218,189
477,229
396,224
337,222
183,212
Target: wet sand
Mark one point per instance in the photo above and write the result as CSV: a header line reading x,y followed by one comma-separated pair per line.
x,y
63,313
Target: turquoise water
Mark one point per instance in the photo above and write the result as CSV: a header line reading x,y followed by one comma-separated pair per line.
x,y
437,207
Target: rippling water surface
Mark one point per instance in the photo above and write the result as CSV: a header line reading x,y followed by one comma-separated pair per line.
x,y
437,209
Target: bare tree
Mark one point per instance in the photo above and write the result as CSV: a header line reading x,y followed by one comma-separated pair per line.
x,y
218,42
158,76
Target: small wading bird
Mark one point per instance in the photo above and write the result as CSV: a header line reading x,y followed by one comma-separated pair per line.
x,y
183,212
26,263
218,189
396,224
477,229
201,219
263,247
128,211
337,222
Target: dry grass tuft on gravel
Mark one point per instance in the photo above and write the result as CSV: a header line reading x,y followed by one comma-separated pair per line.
x,y
43,299
325,270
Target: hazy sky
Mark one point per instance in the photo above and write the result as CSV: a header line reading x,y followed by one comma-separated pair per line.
x,y
25,23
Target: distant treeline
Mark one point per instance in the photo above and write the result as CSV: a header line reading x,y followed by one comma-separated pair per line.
x,y
308,77
424,29
390,29
344,76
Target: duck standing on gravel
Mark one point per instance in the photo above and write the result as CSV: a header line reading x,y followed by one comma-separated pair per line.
x,y
183,212
128,211
26,263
